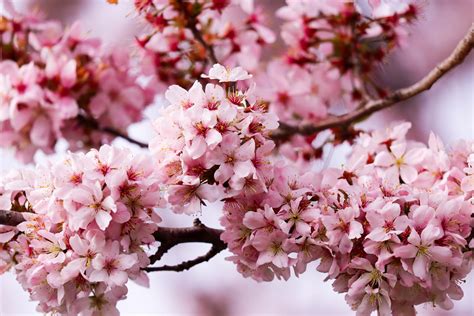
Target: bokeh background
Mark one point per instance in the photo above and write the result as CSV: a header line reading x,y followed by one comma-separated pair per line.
x,y
216,288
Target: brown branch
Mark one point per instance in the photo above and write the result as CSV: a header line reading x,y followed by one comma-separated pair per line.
x,y
168,236
171,237
186,265
117,133
191,25
365,109
11,218
93,124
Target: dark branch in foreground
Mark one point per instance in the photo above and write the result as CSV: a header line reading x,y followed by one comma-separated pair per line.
x,y
11,218
170,237
457,57
167,236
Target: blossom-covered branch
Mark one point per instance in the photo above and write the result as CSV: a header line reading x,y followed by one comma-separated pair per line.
x,y
369,107
170,237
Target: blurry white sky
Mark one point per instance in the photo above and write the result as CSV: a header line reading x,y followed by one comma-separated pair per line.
x,y
447,108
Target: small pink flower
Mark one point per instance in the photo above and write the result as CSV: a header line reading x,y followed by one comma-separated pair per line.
x,y
424,250
402,160
223,74
110,266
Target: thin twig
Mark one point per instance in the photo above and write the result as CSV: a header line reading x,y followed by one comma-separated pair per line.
x,y
191,25
189,264
457,57
115,132
170,237
93,124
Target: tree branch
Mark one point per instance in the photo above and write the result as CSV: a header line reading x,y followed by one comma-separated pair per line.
x,y
93,124
170,237
11,218
365,109
191,24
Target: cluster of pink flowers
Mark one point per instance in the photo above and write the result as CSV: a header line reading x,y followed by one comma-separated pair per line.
x,y
392,227
212,142
57,83
89,222
333,49
234,29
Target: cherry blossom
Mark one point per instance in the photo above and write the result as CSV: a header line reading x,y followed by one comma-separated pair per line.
x,y
81,244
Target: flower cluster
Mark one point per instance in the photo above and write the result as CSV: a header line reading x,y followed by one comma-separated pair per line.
x,y
392,227
333,50
89,220
57,83
184,32
213,142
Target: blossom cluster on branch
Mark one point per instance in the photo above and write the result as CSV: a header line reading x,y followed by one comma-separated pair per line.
x,y
186,35
89,222
212,142
393,227
332,50
57,83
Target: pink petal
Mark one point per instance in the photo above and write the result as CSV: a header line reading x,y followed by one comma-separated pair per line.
x,y
355,229
244,168
254,220
414,156
118,277
40,132
68,74
98,276
5,237
213,138
420,266
198,147
264,257
81,196
408,173
103,219
407,251
224,173
246,151
398,149
125,262
430,234
80,246
384,159
72,269
441,254
280,260
378,234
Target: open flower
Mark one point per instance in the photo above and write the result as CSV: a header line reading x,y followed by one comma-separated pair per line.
x,y
223,74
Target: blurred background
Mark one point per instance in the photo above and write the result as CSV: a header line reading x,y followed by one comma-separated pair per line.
x,y
216,288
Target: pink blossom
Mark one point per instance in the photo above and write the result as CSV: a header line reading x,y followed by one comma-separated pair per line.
x,y
401,159
223,74
424,251
110,266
